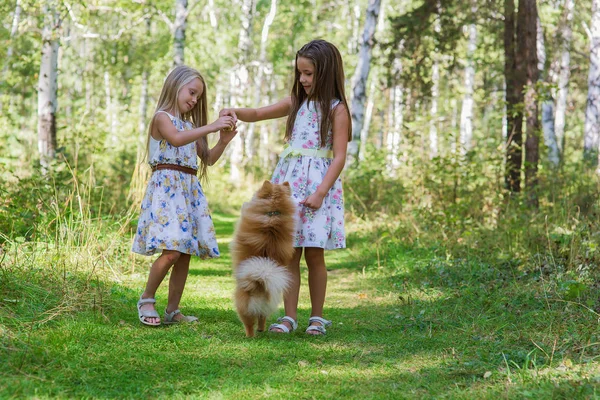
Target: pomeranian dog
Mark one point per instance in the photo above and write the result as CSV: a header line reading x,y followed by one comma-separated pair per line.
x,y
262,247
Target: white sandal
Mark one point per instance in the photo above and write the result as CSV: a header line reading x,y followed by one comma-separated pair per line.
x,y
280,325
144,314
169,318
319,328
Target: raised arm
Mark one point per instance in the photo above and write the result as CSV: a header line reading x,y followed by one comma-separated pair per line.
x,y
277,110
163,129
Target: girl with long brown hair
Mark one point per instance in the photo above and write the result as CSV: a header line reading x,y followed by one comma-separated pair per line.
x,y
317,133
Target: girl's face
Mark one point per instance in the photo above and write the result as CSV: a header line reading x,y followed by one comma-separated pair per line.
x,y
189,95
306,68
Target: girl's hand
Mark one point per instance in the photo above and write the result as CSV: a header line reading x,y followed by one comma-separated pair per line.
x,y
228,112
313,201
223,123
226,136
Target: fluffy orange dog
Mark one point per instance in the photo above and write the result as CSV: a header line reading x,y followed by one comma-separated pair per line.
x,y
261,248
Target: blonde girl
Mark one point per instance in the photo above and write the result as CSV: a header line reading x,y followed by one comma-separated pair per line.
x,y
174,218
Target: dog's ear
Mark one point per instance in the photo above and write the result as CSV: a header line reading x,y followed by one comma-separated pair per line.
x,y
265,190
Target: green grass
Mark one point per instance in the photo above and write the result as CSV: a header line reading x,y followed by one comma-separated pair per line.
x,y
406,324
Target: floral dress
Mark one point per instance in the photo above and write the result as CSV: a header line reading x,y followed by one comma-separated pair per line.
x,y
324,227
175,213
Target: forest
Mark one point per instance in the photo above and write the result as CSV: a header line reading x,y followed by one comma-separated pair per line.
x,y
471,194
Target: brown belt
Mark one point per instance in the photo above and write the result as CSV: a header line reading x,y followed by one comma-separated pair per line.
x,y
175,167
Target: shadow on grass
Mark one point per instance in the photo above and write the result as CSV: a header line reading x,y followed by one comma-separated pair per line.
x,y
209,272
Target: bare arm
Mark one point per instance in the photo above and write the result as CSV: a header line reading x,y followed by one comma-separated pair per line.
x,y
277,110
224,138
163,129
341,124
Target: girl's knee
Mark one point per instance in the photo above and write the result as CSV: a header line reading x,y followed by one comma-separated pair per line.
x,y
171,256
314,256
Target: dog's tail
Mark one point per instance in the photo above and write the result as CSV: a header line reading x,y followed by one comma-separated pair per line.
x,y
264,281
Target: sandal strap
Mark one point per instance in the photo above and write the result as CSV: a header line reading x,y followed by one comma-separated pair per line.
x,y
322,321
150,300
318,328
284,328
169,315
289,320
149,314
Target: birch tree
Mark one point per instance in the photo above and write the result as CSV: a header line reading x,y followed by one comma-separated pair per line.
x,y
181,14
395,118
47,85
592,111
466,115
435,89
260,73
239,77
359,80
13,32
564,75
546,74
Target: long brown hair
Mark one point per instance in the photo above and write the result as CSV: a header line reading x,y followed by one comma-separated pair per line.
x,y
178,78
327,85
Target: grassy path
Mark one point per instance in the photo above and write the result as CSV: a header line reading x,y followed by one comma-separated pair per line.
x,y
413,328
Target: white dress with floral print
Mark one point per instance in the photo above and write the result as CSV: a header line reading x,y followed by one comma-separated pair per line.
x,y
324,227
175,213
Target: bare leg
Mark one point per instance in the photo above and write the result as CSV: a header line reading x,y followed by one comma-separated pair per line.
x,y
177,283
317,281
158,271
290,299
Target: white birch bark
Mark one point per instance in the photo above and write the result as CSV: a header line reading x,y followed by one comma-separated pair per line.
x,y
353,27
592,112
466,114
179,31
13,32
239,81
258,87
359,80
47,87
395,117
548,104
211,14
435,89
364,134
564,76
433,110
144,98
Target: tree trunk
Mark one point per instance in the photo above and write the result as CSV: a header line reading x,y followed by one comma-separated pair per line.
x,y
592,112
359,80
547,104
364,134
239,82
564,75
527,48
466,115
514,117
47,88
433,110
179,31
262,65
13,32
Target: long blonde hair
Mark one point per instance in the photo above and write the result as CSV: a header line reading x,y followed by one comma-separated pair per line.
x,y
177,78
328,84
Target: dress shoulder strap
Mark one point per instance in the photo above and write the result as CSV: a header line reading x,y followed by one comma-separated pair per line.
x,y
163,111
